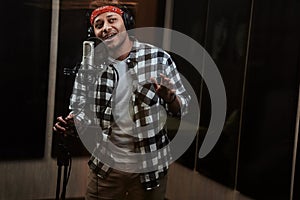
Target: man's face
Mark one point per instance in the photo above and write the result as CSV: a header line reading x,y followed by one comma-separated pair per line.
x,y
110,28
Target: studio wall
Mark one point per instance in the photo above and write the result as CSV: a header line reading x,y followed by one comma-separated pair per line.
x,y
255,46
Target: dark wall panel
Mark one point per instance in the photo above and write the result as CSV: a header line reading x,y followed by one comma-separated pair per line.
x,y
192,23
25,47
269,117
226,42
73,26
221,27
265,81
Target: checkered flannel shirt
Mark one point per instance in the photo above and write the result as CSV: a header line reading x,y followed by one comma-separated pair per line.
x,y
144,61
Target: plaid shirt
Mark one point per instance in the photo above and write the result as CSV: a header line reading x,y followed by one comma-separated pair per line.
x,y
92,101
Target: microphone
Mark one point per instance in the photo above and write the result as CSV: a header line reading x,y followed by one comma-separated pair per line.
x,y
88,53
87,59
90,63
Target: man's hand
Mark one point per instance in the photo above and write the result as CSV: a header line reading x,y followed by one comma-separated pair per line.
x,y
65,125
164,89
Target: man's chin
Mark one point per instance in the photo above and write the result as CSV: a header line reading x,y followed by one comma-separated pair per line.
x,y
110,44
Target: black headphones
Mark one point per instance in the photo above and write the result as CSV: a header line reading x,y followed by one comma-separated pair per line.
x,y
127,17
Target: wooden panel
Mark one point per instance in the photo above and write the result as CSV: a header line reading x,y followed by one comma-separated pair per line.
x,y
37,179
184,183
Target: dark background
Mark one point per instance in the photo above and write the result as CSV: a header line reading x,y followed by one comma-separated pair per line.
x,y
25,48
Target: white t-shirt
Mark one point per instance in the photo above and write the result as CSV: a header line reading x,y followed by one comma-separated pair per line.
x,y
121,134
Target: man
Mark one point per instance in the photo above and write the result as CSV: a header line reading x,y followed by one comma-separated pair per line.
x,y
128,97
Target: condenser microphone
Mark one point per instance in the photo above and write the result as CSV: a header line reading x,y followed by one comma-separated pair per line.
x,y
87,71
87,61
88,53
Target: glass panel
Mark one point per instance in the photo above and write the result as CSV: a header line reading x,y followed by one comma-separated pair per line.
x,y
71,37
192,24
226,42
271,98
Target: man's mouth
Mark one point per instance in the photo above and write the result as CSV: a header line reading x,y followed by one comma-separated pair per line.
x,y
109,36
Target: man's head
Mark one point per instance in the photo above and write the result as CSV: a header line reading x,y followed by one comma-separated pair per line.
x,y
122,10
109,25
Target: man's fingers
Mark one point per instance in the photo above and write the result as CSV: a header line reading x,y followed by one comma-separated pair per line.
x,y
61,120
58,127
155,84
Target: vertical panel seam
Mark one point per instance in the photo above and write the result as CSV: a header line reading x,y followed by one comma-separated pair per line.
x,y
243,95
295,148
201,88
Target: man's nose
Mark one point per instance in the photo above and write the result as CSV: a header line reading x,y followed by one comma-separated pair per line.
x,y
106,27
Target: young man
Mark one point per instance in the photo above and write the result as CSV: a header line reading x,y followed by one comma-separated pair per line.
x,y
128,97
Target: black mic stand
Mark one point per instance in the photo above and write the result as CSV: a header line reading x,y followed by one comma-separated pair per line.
x,y
64,160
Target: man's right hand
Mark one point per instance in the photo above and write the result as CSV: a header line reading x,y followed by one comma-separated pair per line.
x,y
65,125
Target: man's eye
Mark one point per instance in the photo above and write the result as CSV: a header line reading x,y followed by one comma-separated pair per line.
x,y
98,26
112,20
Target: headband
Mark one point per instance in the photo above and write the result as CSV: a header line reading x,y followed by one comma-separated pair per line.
x,y
104,9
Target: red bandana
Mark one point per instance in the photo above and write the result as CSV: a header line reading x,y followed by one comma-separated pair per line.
x,y
104,9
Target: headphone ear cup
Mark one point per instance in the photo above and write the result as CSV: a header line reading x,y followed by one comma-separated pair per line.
x,y
128,19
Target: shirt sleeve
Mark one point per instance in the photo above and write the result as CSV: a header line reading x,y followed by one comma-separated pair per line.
x,y
79,100
172,73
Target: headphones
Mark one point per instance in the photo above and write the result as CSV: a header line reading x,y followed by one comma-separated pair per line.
x,y
127,17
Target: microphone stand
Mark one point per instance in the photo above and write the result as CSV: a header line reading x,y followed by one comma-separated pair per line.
x,y
64,160
64,156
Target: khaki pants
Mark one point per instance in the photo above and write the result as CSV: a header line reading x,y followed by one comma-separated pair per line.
x,y
120,185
